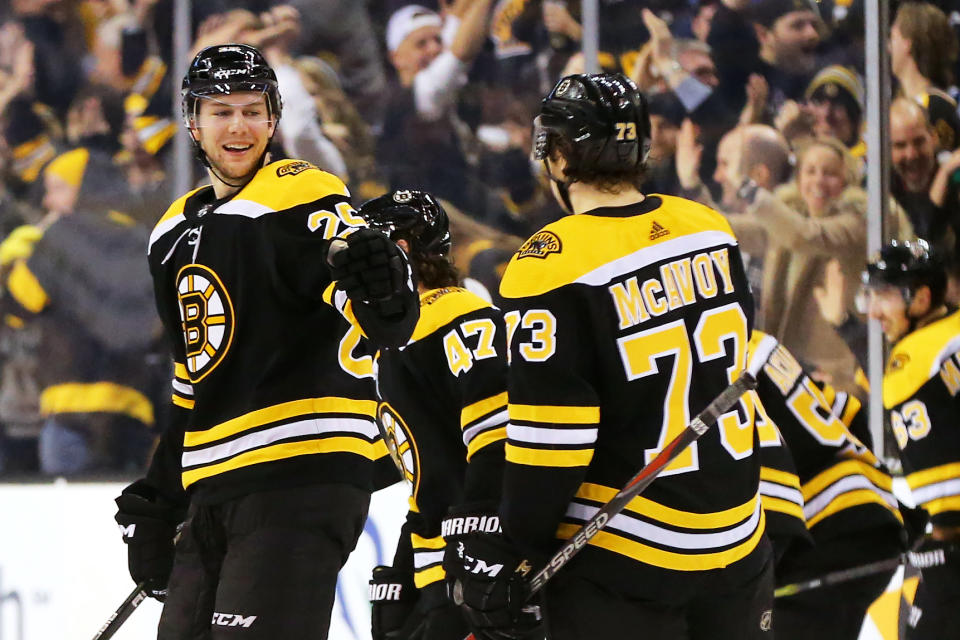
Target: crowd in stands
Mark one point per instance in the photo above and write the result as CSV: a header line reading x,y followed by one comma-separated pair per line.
x,y
757,109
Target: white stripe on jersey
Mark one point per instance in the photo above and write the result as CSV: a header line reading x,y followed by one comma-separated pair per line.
x,y
313,426
625,523
492,422
423,559
775,490
163,227
943,489
546,435
181,388
844,485
657,253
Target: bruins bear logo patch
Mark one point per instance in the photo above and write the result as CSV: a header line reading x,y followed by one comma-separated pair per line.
x,y
540,245
206,318
401,446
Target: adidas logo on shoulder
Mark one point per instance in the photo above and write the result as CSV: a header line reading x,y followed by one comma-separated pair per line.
x,y
658,231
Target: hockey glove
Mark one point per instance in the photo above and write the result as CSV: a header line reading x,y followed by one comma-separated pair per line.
x,y
148,525
370,267
488,578
393,597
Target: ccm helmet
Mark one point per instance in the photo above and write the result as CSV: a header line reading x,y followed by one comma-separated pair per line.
x,y
603,116
908,266
224,69
413,215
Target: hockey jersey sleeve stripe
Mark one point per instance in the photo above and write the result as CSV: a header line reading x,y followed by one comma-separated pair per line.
x,y
668,559
786,507
547,435
284,411
428,576
312,427
482,408
780,477
419,542
180,371
942,505
850,410
781,492
937,490
844,498
486,438
106,397
422,559
368,450
26,289
548,457
495,421
668,515
933,475
183,402
821,481
554,414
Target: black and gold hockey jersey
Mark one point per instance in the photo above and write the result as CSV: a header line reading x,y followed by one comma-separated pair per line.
x,y
920,388
624,322
840,489
443,412
270,386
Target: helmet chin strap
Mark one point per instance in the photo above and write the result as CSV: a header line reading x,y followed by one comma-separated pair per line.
x,y
563,187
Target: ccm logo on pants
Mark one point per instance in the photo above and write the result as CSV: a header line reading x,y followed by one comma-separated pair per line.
x,y
232,620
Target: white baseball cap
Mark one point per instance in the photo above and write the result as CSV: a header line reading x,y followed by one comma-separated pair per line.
x,y
408,19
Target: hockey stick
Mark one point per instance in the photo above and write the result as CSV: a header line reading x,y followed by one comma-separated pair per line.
x,y
118,617
644,477
836,577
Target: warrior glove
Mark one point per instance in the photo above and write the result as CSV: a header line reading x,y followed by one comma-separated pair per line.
x,y
393,597
369,268
488,578
148,524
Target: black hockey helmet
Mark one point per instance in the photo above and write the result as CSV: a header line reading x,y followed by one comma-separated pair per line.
x,y
603,115
414,215
224,69
908,266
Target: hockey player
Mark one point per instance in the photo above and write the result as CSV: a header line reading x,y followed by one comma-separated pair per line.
x,y
905,288
443,411
626,319
833,486
272,447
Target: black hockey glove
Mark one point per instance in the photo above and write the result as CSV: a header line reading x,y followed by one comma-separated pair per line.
x,y
488,578
393,597
370,267
148,524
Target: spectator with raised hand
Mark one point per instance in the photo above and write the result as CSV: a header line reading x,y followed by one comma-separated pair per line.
x,y
923,50
420,145
819,216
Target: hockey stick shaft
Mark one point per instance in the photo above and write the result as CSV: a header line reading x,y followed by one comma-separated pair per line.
x,y
118,617
836,577
643,479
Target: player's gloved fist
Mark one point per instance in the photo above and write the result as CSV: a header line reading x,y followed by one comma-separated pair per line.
x,y
148,525
368,267
486,576
393,596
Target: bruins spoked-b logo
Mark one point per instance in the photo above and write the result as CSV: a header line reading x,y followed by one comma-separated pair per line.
x,y
540,245
206,318
401,446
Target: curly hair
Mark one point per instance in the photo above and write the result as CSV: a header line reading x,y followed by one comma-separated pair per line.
x,y
604,180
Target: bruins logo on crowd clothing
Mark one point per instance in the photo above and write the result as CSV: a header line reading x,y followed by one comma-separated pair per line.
x,y
206,318
401,446
540,245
